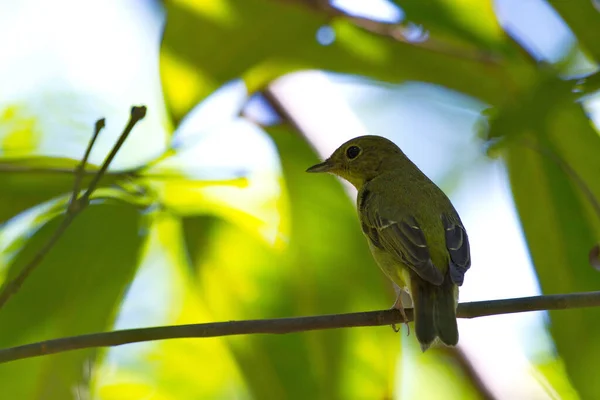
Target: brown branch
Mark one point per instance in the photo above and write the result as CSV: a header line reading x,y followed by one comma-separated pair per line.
x,y
75,206
290,325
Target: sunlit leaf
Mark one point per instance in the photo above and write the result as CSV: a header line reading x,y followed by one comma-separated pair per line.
x,y
513,119
165,292
553,376
59,122
436,374
592,84
195,62
26,182
19,133
259,281
560,225
471,21
217,111
583,18
18,230
75,290
210,171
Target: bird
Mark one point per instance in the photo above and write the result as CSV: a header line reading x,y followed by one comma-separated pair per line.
x,y
413,231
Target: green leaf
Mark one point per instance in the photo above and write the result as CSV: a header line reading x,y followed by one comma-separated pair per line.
x,y
266,39
322,265
583,19
26,182
241,187
316,268
472,21
336,273
561,227
247,202
75,290
24,186
444,366
512,120
165,292
331,271
554,378
591,84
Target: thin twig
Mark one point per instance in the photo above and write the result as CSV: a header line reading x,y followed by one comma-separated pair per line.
x,y
290,325
80,171
137,114
12,287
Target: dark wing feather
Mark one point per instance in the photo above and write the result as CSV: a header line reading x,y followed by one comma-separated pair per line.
x,y
403,238
457,243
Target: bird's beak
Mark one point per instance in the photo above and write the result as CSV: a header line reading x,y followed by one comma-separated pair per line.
x,y
325,166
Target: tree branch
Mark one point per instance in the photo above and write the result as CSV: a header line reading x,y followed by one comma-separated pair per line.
x,y
290,325
76,204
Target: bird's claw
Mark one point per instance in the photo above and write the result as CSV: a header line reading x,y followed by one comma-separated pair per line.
x,y
398,306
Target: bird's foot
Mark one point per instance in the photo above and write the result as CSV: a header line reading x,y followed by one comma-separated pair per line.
x,y
398,306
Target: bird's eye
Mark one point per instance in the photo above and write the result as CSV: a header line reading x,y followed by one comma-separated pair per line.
x,y
352,152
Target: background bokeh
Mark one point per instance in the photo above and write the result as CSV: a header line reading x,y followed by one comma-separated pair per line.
x,y
207,214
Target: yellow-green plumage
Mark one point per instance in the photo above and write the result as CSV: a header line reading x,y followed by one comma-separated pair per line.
x,y
414,232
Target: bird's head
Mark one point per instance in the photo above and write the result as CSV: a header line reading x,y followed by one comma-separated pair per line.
x,y
361,159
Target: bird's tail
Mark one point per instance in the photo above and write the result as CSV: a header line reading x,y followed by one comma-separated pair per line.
x,y
434,311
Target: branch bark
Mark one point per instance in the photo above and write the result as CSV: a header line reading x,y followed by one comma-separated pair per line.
x,y
290,325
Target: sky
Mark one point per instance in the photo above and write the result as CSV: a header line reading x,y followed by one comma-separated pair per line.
x,y
49,59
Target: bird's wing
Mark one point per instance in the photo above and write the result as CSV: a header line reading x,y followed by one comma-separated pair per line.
x,y
401,237
457,243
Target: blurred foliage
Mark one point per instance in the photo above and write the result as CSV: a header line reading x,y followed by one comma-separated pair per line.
x,y
27,182
76,289
173,369
583,19
269,38
253,245
559,223
453,21
300,276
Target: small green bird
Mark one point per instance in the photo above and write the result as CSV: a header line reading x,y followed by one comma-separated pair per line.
x,y
413,231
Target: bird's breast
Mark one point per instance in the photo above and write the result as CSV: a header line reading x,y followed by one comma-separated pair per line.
x,y
395,271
